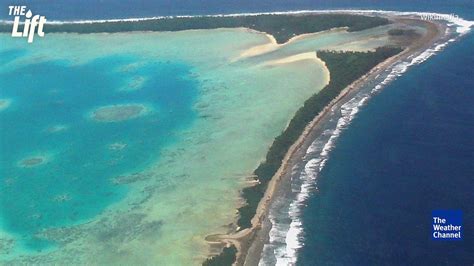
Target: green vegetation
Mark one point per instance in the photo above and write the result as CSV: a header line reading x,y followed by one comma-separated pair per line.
x,y
396,32
402,32
345,68
282,27
227,257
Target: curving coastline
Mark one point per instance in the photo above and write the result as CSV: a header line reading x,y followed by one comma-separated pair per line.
x,y
313,157
242,240
276,186
417,53
247,237
249,242
281,29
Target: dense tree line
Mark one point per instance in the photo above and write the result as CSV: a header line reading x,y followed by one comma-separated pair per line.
x,y
345,68
282,27
226,257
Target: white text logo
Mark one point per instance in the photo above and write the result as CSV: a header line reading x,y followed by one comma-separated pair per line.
x,y
30,23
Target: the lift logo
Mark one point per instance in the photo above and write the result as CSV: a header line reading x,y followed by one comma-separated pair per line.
x,y
31,23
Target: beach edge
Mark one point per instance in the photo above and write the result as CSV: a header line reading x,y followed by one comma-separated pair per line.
x,y
249,241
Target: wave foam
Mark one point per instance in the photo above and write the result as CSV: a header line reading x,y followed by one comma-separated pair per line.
x,y
462,26
318,153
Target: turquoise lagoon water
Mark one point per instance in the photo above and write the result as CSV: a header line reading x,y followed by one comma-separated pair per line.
x,y
49,118
147,189
75,186
60,10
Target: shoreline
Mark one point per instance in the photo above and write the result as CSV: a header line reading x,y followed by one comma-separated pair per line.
x,y
449,17
249,242
436,32
273,45
246,240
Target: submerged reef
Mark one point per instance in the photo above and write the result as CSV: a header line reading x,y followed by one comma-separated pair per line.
x,y
135,84
56,128
117,146
32,161
117,113
4,103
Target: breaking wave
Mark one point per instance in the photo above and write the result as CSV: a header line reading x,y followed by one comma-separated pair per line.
x,y
285,237
462,26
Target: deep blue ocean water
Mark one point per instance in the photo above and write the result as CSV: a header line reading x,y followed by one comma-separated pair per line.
x,y
108,9
408,152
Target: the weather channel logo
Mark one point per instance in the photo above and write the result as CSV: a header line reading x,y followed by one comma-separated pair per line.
x,y
29,25
447,225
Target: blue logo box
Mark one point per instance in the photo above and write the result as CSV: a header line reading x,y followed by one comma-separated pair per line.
x,y
446,225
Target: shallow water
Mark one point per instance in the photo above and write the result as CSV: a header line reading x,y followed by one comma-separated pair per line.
x,y
49,118
364,191
158,169
148,185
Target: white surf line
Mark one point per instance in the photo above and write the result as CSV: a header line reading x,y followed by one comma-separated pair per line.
x,y
319,151
463,25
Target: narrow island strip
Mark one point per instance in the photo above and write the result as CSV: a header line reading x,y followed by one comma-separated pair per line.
x,y
281,27
270,171
349,72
